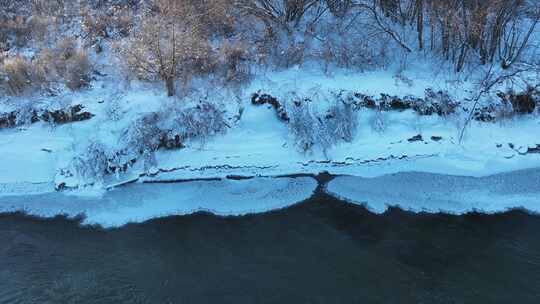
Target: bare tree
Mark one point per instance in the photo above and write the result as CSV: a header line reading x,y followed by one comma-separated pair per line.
x,y
379,13
167,45
287,14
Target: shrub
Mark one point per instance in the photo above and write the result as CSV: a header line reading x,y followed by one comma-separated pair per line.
x,y
311,129
200,122
65,49
103,23
169,129
437,101
18,30
142,137
17,75
78,69
235,59
378,121
65,63
341,122
91,166
305,128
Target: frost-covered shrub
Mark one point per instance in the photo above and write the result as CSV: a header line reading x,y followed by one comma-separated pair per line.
x,y
67,62
341,122
91,166
378,121
142,138
200,122
310,129
113,109
437,101
104,23
26,113
304,127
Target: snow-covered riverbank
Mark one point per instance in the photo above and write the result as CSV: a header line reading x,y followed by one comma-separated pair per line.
x,y
417,192
259,144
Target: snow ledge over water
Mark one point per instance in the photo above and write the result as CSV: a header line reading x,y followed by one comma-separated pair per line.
x,y
432,193
135,203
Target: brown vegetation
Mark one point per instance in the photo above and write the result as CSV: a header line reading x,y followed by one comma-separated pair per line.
x,y
173,41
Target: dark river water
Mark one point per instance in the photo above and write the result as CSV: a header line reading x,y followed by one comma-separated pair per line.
x,y
319,251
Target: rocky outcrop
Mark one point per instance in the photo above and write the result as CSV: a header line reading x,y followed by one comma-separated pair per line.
x,y
416,138
170,141
434,102
63,116
72,114
523,102
8,120
262,99
534,150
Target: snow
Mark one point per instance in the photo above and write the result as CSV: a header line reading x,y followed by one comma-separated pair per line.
x,y
432,193
308,77
29,155
139,202
260,145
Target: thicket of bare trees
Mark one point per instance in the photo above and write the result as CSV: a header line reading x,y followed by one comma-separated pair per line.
x,y
175,40
468,30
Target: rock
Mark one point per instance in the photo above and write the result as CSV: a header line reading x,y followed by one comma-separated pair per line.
x,y
8,120
438,102
261,99
366,101
522,103
171,142
436,138
415,138
71,114
393,103
534,150
485,114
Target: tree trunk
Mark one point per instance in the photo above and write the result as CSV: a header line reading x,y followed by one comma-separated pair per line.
x,y
169,83
420,23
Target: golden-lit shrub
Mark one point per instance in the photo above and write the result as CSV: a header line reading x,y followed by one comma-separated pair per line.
x,y
168,49
77,72
17,75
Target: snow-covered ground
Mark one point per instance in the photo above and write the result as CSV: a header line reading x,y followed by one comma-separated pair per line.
x,y
424,192
140,202
260,145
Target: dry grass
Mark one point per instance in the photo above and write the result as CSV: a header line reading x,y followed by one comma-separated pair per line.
x,y
64,64
17,75
78,68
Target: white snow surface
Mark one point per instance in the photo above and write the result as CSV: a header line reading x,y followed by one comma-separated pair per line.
x,y
433,193
139,202
260,145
